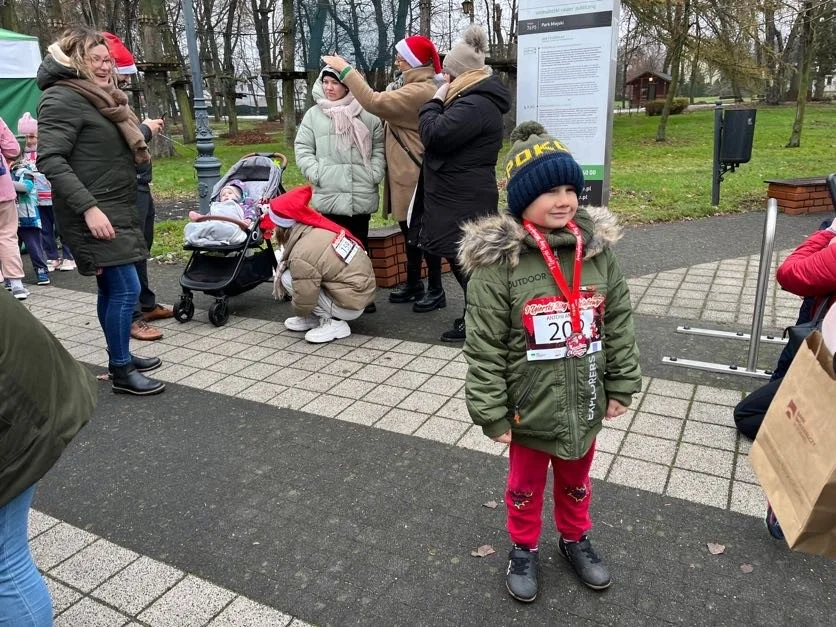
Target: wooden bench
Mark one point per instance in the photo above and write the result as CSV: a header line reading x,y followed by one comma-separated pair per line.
x,y
800,196
388,253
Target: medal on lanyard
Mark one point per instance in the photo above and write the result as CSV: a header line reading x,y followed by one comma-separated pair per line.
x,y
576,343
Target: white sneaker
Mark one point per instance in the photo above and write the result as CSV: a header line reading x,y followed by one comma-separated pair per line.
x,y
52,264
67,265
20,292
301,323
328,330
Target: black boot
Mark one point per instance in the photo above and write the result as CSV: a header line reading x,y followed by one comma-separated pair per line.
x,y
456,334
432,300
143,364
127,380
407,292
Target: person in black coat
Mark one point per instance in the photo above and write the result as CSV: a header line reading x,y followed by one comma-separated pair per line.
x,y
461,129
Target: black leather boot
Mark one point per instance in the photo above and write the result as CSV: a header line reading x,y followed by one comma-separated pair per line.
x,y
407,292
143,364
432,300
128,380
456,334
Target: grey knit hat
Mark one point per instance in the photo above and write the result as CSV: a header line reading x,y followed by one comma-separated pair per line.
x,y
469,53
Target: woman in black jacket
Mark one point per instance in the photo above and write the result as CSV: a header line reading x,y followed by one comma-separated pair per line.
x,y
89,146
461,129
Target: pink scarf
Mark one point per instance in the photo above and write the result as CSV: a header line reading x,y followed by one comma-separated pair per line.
x,y
345,113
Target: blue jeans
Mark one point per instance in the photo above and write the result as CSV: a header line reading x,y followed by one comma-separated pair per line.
x,y
118,291
24,598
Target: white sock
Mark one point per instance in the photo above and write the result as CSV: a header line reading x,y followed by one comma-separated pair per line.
x,y
16,283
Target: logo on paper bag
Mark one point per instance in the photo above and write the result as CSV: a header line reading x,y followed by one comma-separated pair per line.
x,y
798,421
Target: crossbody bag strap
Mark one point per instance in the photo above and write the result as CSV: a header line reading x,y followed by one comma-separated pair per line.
x,y
405,147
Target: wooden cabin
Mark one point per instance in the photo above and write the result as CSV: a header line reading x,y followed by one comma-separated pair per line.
x,y
647,86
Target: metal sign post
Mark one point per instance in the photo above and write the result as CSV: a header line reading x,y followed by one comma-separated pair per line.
x,y
754,337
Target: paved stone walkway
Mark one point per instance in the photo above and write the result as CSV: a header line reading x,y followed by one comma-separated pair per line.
x,y
676,440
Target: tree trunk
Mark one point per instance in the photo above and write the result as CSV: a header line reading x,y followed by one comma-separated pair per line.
x,y
228,81
262,10
803,75
680,33
158,55
184,107
288,65
8,15
424,17
692,90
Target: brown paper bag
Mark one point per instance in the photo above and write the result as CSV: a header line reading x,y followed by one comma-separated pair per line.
x,y
794,455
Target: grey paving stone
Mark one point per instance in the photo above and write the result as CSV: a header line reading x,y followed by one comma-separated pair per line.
x,y
720,396
364,355
174,373
62,596
623,421
201,360
58,543
411,348
283,342
243,612
259,371
182,355
293,398
664,406
256,353
719,316
375,374
356,339
408,379
230,365
747,498
744,445
657,426
93,564
392,359
401,421
698,488
601,463
39,522
353,388
475,440
333,350
651,309
443,352
364,413
423,402
711,413
260,391
685,313
455,409
90,614
313,363
290,376
710,435
648,448
675,389
609,440
428,365
638,474
445,386
388,395
382,343
231,385
318,382
202,379
327,405
135,587
743,470
707,460
342,368
649,299
442,430
228,348
454,369
190,603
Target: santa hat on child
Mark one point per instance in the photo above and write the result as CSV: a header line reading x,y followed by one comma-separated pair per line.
x,y
417,51
27,125
292,207
123,60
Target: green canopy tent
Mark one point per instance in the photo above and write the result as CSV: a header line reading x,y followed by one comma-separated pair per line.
x,y
20,58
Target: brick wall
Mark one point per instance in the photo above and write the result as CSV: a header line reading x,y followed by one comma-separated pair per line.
x,y
800,196
388,253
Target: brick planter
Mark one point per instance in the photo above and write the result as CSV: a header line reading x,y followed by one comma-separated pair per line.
x,y
388,253
800,196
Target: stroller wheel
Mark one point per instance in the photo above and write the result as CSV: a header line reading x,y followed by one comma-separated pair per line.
x,y
184,310
219,313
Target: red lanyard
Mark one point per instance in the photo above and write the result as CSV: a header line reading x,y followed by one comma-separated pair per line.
x,y
573,295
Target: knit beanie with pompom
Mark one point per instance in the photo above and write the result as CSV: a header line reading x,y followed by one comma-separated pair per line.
x,y
27,125
469,53
537,162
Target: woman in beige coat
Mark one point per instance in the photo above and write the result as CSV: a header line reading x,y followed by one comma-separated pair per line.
x,y
419,71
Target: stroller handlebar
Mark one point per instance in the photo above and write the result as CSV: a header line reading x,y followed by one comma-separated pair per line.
x,y
271,155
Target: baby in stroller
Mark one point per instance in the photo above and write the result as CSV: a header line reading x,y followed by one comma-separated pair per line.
x,y
232,203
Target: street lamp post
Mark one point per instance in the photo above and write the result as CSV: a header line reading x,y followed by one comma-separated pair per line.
x,y
207,165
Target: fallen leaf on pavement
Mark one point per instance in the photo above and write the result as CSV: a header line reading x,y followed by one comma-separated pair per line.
x,y
747,568
490,504
103,377
716,549
483,551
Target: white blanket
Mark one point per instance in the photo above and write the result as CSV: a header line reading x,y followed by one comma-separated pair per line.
x,y
216,232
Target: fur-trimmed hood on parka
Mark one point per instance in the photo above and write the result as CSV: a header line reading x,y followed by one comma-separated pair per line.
x,y
502,239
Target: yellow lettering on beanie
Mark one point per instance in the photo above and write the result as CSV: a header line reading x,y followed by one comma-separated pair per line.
x,y
521,157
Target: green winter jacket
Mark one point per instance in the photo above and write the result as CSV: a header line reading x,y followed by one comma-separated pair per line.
x,y
554,405
343,184
46,396
89,164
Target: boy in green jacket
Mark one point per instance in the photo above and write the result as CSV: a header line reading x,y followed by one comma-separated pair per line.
x,y
550,346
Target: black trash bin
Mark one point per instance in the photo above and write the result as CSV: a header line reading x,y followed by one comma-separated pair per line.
x,y
738,132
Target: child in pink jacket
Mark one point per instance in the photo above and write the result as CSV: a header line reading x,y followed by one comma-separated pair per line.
x,y
11,267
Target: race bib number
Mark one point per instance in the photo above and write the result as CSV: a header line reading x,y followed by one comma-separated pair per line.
x,y
548,325
344,247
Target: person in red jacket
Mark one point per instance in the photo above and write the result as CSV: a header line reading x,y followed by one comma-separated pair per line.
x,y
809,272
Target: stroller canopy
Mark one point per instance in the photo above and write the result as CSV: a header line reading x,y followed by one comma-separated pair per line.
x,y
261,177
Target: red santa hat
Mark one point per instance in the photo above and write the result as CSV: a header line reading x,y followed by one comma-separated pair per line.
x,y
293,206
123,60
418,50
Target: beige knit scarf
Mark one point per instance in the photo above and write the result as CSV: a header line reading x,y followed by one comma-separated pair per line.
x,y
111,102
465,81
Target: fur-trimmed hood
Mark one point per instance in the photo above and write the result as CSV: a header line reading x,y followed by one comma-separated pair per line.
x,y
502,239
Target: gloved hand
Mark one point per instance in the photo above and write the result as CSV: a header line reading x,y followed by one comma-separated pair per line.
x,y
441,93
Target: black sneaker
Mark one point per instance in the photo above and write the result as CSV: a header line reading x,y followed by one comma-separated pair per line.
x,y
772,524
586,563
521,576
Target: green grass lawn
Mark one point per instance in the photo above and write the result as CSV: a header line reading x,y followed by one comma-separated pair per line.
x,y
651,181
